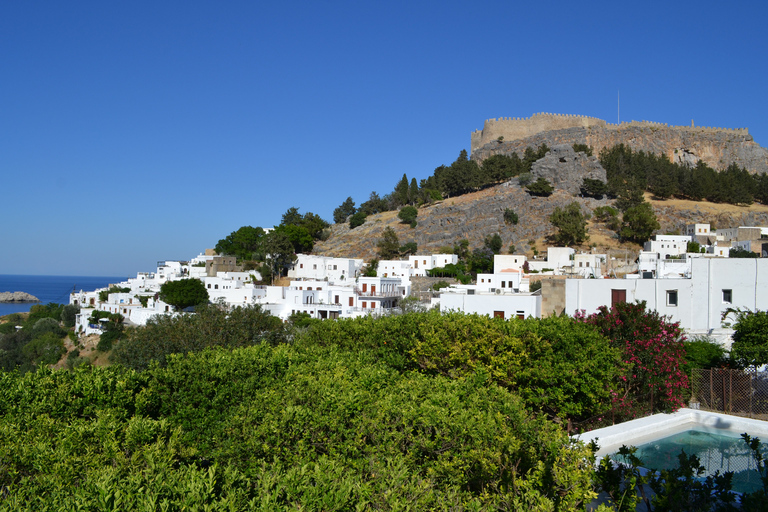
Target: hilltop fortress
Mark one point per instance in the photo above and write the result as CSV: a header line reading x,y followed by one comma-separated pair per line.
x,y
717,147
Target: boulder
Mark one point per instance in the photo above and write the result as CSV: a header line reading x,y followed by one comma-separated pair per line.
x,y
566,169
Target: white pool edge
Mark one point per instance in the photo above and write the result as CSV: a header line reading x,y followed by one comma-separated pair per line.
x,y
651,428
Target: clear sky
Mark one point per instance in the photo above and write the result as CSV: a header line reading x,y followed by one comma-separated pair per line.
x,y
132,132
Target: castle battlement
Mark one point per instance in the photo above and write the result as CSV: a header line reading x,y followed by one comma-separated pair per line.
x,y
515,128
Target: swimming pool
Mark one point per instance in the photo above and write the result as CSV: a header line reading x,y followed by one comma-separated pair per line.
x,y
652,428
717,450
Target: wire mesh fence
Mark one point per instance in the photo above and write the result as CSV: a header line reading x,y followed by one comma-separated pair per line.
x,y
737,392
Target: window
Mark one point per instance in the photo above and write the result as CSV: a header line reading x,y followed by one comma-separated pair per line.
x,y
618,296
314,267
365,304
727,296
671,297
503,284
301,265
216,287
336,299
351,301
498,314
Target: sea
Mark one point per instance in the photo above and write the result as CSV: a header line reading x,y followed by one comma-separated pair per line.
x,y
49,288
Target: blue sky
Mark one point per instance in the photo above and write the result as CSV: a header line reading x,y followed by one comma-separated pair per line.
x,y
139,131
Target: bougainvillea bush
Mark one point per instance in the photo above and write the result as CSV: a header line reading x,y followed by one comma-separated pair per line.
x,y
653,352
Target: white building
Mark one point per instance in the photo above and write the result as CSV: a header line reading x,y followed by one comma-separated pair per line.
x,y
421,263
698,303
697,230
335,270
668,245
521,305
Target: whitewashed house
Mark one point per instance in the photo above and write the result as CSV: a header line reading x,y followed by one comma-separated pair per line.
x,y
335,270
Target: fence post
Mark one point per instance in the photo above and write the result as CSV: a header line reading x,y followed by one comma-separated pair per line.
x,y
711,390
750,394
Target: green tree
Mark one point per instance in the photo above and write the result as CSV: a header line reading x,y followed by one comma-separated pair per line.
x,y
46,349
373,205
279,251
738,252
510,217
582,148
750,338
388,245
358,219
413,192
184,293
494,243
291,216
300,238
639,223
69,315
244,244
409,248
501,167
593,188
407,215
401,191
571,224
371,269
344,210
541,187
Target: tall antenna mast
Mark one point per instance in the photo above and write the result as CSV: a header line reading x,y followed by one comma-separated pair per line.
x,y
618,106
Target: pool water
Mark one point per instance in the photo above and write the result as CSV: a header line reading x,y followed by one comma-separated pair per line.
x,y
715,451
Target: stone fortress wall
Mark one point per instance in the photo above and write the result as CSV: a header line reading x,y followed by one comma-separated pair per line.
x,y
515,128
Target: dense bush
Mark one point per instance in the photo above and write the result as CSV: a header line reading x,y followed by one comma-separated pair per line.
x,y
278,428
208,327
654,353
557,365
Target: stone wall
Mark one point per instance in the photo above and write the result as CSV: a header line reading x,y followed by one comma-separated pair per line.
x,y
514,128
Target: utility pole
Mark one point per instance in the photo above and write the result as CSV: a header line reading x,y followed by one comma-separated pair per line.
x,y
618,107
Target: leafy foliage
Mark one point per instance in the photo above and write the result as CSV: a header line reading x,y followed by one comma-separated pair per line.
x,y
358,219
593,188
184,293
407,215
653,353
750,338
388,245
494,243
289,427
639,223
244,244
344,210
545,361
208,327
571,224
510,217
541,187
738,252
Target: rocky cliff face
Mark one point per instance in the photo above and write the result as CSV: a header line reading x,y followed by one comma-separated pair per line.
x,y
566,169
718,149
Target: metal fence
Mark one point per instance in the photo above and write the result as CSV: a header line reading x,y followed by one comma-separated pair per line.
x,y
737,392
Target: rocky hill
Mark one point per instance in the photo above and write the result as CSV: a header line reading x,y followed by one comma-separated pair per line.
x,y
477,215
716,148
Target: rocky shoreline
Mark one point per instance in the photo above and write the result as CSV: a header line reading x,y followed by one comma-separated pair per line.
x,y
17,297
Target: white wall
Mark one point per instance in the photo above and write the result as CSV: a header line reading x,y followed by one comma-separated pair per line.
x,y
487,304
700,299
